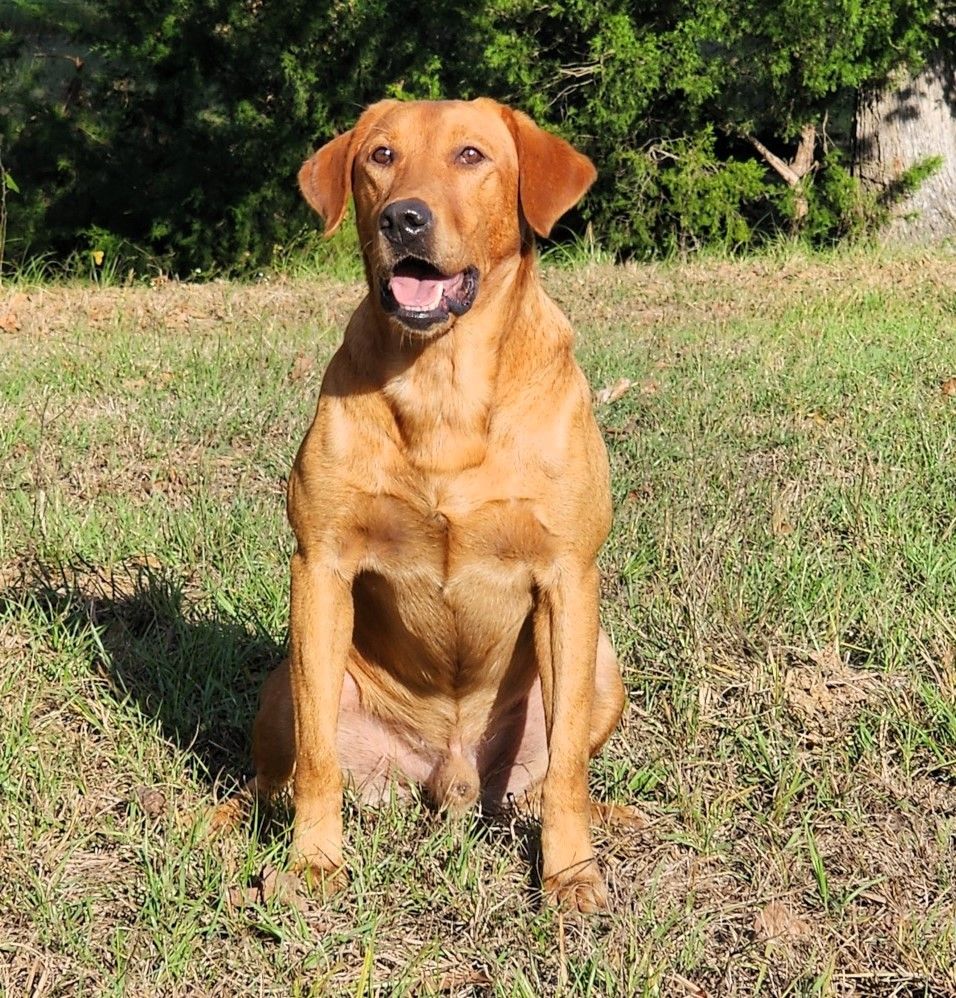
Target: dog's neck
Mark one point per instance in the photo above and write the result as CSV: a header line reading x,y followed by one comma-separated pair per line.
x,y
442,391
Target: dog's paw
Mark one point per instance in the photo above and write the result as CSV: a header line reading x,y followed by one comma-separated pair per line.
x,y
582,890
321,879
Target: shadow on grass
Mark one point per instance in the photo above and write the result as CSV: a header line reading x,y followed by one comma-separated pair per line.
x,y
163,650
198,673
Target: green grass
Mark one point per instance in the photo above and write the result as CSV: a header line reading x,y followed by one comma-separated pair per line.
x,y
780,584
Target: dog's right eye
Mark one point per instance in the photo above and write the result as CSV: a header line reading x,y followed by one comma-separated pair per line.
x,y
383,156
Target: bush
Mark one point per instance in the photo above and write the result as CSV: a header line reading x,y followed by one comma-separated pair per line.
x,y
173,129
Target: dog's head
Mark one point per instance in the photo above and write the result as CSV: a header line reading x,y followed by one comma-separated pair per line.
x,y
445,191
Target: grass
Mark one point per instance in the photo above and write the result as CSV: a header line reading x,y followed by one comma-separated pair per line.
x,y
780,584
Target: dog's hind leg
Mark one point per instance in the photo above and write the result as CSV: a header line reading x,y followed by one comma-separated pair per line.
x,y
273,736
610,698
609,695
273,752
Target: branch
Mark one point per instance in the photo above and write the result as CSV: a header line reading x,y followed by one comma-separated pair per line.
x,y
794,171
781,166
802,161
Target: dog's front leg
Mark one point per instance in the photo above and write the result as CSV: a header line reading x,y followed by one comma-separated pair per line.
x,y
566,633
320,637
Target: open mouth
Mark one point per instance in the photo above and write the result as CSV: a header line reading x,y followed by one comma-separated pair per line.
x,y
420,295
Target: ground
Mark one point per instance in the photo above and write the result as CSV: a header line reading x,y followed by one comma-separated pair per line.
x,y
780,584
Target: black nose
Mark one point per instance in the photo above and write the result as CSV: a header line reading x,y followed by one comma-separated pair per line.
x,y
402,222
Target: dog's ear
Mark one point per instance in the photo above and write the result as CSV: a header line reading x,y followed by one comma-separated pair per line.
x,y
326,180
326,177
552,175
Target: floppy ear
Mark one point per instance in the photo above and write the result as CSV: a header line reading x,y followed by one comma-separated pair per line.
x,y
326,180
552,175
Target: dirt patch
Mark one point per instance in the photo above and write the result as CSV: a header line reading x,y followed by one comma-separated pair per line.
x,y
174,307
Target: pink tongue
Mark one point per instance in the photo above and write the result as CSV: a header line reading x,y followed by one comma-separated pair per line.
x,y
412,292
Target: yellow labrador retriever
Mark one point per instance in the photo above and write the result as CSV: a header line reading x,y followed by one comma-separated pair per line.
x,y
448,502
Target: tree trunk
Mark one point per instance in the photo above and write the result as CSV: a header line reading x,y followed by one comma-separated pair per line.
x,y
899,126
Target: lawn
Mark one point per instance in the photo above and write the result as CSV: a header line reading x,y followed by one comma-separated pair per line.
x,y
780,584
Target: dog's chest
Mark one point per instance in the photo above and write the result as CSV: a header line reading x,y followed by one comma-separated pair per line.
x,y
446,586
451,537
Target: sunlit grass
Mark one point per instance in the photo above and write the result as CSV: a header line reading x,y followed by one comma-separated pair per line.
x,y
780,584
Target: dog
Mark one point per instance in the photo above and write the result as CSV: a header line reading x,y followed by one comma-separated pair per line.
x,y
448,504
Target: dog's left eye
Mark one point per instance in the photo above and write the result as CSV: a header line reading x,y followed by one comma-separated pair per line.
x,y
383,156
470,156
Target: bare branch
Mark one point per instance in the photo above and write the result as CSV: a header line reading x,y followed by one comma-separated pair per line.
x,y
802,162
781,166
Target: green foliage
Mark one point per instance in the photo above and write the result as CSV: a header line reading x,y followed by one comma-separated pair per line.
x,y
912,178
177,126
689,197
838,206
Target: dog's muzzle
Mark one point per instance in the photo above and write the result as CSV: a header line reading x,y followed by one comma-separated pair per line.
x,y
414,290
